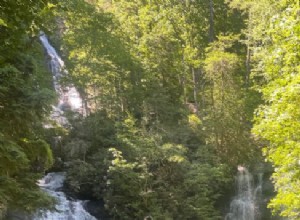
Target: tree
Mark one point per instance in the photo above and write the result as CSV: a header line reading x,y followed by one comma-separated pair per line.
x,y
277,119
227,125
148,59
25,97
159,180
271,39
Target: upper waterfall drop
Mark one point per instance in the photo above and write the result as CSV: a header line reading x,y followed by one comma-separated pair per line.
x,y
69,97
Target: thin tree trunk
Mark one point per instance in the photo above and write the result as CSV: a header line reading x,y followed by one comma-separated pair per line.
x,y
248,58
211,21
195,84
202,88
213,110
183,81
248,61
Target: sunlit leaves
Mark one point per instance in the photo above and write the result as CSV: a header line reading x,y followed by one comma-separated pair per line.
x,y
226,123
158,179
278,120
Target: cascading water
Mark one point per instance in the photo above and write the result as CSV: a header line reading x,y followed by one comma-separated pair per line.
x,y
52,183
68,96
245,206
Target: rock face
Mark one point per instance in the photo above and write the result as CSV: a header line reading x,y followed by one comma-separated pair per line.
x,y
17,215
96,208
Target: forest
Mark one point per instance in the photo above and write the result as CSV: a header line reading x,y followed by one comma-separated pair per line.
x,y
177,94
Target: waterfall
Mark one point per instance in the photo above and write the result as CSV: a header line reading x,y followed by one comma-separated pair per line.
x,y
245,205
68,96
52,183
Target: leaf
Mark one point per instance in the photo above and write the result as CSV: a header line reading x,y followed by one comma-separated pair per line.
x,y
3,23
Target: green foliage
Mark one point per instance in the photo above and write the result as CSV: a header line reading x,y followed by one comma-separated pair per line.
x,y
277,119
20,20
96,131
158,180
85,151
12,157
226,126
188,106
25,98
177,68
200,196
147,59
101,67
81,177
145,174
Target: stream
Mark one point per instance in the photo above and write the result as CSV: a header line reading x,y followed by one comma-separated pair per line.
x,y
68,99
66,209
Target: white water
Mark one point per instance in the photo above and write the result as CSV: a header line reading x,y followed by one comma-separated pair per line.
x,y
245,205
68,96
52,183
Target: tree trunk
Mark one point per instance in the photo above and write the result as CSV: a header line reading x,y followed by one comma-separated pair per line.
x,y
211,21
248,55
195,84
